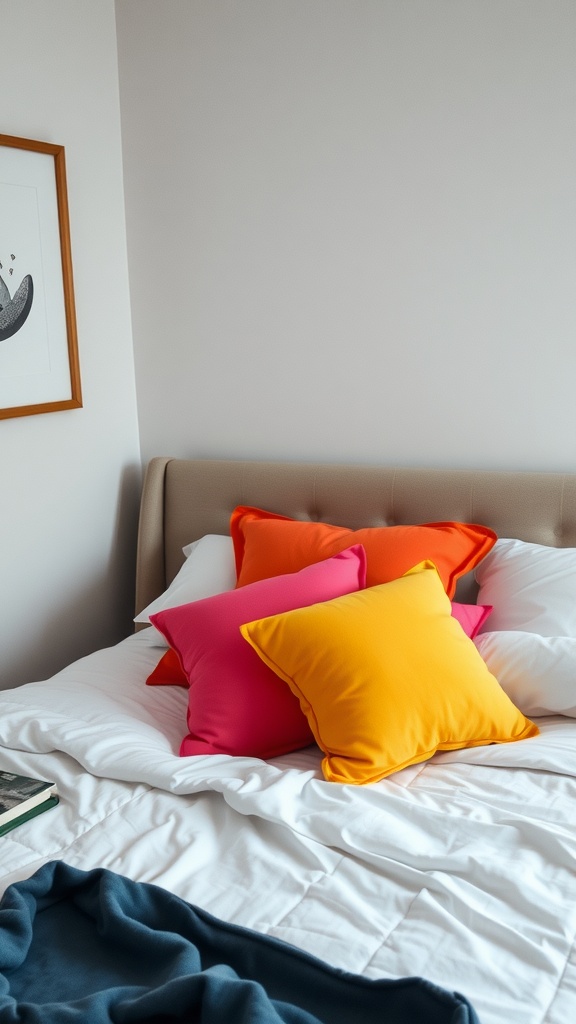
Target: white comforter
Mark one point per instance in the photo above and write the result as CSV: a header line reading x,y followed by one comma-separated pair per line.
x,y
461,870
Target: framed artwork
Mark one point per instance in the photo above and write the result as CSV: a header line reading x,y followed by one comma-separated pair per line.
x,y
39,368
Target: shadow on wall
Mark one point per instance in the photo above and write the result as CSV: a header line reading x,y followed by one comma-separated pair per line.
x,y
97,613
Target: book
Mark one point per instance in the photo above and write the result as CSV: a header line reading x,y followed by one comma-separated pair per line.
x,y
22,798
50,802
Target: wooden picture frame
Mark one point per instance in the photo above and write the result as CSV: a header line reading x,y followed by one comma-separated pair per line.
x,y
39,366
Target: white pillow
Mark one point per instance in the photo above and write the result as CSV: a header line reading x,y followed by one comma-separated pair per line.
x,y
537,672
209,569
531,587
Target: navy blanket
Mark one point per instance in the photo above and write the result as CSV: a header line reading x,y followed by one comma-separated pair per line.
x,y
93,946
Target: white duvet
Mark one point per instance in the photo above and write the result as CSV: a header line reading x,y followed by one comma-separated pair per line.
x,y
461,870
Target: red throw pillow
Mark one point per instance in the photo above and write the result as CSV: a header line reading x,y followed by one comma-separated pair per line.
x,y
168,672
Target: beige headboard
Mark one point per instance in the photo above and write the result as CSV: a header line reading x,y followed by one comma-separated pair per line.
x,y
184,499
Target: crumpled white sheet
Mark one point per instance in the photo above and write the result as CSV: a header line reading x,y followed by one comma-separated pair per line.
x,y
462,870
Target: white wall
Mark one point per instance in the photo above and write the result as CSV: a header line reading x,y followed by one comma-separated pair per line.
x,y
70,480
351,228
351,236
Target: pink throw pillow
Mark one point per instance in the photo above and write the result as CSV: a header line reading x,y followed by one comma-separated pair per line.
x,y
236,704
471,616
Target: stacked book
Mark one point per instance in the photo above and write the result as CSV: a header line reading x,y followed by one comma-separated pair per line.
x,y
22,798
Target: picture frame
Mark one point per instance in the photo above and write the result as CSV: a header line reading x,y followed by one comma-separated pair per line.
x,y
39,365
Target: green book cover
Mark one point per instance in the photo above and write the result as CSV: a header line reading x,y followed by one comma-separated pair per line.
x,y
20,794
45,806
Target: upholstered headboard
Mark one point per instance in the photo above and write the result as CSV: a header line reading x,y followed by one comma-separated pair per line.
x,y
184,499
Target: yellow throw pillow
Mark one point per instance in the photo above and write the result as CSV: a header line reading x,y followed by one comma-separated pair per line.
x,y
386,677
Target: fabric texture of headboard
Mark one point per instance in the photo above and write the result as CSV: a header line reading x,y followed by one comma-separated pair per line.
x,y
183,499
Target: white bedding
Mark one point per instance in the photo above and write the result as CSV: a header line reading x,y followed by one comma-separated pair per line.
x,y
461,870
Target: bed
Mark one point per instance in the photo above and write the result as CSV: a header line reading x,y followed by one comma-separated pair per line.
x,y
455,864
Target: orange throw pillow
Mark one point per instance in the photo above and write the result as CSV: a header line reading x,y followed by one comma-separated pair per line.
x,y
267,544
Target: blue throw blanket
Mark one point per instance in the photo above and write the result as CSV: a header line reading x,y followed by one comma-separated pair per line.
x,y
93,946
